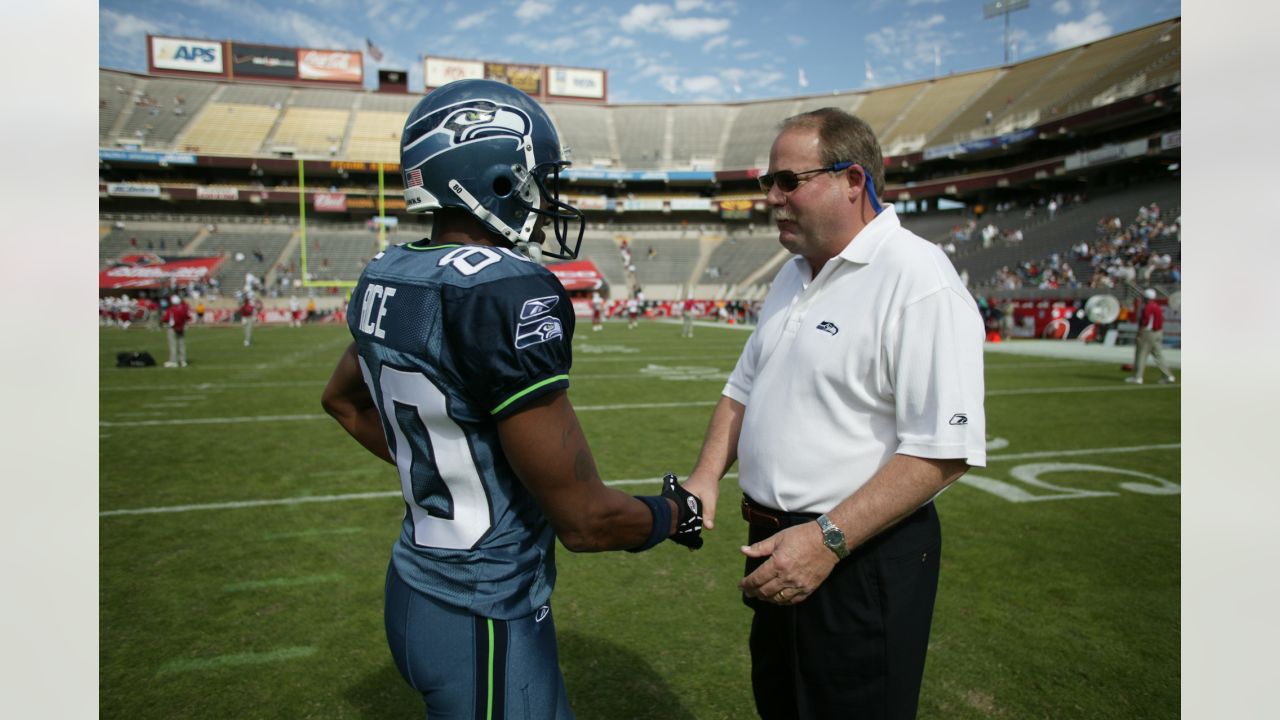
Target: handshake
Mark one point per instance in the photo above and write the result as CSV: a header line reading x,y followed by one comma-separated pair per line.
x,y
688,518
689,523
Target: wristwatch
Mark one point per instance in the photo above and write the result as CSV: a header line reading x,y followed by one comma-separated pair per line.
x,y
833,537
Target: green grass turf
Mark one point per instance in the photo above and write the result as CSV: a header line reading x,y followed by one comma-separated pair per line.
x,y
1063,608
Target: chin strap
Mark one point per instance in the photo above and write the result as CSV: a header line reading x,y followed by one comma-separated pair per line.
x,y
531,250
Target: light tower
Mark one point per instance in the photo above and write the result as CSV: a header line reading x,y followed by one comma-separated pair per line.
x,y
1004,7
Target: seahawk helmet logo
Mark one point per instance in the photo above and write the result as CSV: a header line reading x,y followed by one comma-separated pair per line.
x,y
471,120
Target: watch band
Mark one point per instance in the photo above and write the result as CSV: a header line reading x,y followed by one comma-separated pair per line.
x,y
833,537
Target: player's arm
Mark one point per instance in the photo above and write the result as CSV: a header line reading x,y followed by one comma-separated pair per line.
x,y
347,399
546,447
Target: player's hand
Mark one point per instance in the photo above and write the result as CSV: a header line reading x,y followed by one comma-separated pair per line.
x,y
689,523
798,563
707,488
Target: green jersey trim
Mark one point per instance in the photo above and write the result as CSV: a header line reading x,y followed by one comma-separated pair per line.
x,y
526,391
489,710
415,246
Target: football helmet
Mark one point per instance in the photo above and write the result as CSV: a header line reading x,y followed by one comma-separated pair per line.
x,y
491,150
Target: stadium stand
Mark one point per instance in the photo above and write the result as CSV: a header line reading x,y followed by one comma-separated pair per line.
x,y
752,132
880,108
642,132
940,100
115,100
697,132
1156,64
601,248
375,136
160,238
587,131
247,249
229,129
310,131
335,254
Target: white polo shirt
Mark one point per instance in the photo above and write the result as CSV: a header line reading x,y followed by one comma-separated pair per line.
x,y
881,353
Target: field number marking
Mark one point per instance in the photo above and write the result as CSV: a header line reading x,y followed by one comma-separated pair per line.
x,y
1030,475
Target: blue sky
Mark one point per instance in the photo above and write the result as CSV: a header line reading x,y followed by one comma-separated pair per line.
x,y
676,51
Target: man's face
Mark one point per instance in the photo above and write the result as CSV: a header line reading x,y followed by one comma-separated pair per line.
x,y
812,217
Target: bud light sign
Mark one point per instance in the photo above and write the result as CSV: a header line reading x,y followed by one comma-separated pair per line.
x,y
187,55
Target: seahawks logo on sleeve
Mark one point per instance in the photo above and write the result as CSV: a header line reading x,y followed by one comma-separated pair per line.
x,y
536,324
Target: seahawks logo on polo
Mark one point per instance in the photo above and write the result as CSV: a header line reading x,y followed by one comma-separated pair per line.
x,y
827,326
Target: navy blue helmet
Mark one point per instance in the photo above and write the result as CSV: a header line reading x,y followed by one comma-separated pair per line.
x,y
491,150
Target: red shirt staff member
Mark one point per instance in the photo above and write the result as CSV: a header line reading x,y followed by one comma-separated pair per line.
x,y
1150,340
248,316
175,320
857,399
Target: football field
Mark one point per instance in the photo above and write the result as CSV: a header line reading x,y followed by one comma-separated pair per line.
x,y
244,539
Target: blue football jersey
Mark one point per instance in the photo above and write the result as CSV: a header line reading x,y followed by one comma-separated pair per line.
x,y
451,338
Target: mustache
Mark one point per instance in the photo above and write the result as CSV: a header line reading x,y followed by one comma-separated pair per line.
x,y
783,217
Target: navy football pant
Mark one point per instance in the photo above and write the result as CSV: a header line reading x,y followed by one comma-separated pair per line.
x,y
474,668
856,647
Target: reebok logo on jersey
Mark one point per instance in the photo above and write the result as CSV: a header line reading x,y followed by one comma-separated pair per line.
x,y
959,419
538,331
827,326
538,306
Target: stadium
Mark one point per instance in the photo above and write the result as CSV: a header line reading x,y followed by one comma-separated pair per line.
x,y
237,557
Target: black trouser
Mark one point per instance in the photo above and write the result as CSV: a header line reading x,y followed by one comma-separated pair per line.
x,y
856,648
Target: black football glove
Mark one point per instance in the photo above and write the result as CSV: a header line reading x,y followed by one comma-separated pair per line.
x,y
689,525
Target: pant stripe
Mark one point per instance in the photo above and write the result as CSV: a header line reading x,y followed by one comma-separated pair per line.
x,y
491,664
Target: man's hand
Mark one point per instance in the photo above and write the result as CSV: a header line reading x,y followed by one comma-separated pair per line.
x,y
707,488
798,563
689,521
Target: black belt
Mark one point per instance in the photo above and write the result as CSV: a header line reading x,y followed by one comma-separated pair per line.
x,y
760,516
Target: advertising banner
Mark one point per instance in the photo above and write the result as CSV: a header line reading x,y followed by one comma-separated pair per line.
x,y
330,202
575,82
371,203
578,275
153,271
691,203
147,190
264,61
526,78
153,158
331,65
206,192
1171,140
735,209
188,55
441,71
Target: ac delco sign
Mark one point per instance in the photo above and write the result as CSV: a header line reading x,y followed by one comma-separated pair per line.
x,y
330,65
187,55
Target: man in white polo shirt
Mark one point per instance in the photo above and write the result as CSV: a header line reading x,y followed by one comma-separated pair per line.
x,y
857,399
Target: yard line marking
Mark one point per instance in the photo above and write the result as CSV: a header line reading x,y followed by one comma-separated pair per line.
x,y
236,659
1089,451
237,504
591,408
630,481
1086,389
316,532
283,582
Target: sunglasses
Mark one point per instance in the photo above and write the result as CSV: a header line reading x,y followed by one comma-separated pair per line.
x,y
788,181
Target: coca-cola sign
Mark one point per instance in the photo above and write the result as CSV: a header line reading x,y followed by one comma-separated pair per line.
x,y
330,65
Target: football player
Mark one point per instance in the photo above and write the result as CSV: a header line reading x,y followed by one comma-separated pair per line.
x,y
457,376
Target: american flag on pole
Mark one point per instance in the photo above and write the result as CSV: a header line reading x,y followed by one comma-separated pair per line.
x,y
413,178
374,51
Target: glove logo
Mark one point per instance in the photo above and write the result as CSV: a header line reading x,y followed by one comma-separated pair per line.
x,y
693,504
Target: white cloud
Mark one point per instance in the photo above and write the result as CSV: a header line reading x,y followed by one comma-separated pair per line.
x,y
797,40
702,85
687,5
658,18
906,51
469,21
690,28
621,42
1068,34
714,43
932,21
644,17
925,2
531,10
1062,7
